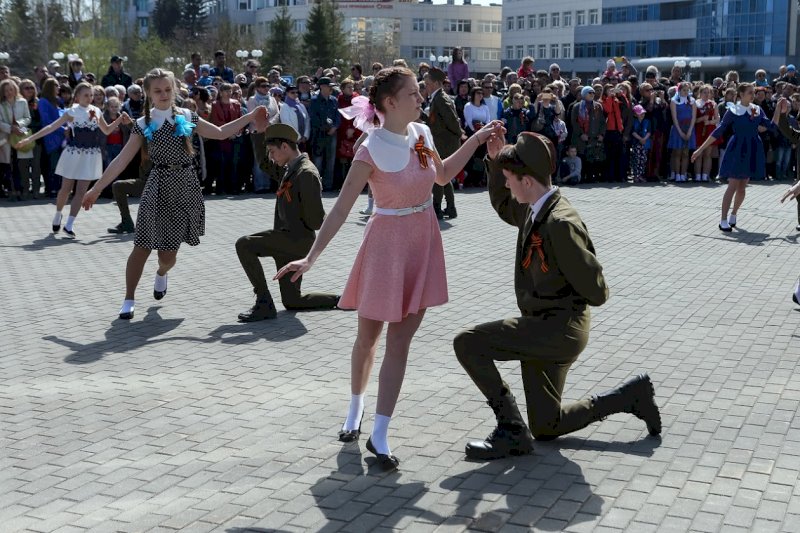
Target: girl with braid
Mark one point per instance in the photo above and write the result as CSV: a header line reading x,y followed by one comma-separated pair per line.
x,y
171,209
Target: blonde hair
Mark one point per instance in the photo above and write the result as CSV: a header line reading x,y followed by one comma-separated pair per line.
x,y
5,83
150,77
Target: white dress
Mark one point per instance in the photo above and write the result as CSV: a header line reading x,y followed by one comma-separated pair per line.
x,y
82,159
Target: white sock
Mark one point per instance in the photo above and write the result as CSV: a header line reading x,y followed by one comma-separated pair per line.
x,y
161,283
70,222
379,434
370,203
797,290
732,219
127,306
57,219
354,413
724,224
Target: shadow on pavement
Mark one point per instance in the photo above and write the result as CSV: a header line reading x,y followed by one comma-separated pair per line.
x,y
122,336
286,327
643,447
52,240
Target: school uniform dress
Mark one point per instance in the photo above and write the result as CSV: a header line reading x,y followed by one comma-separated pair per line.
x,y
744,155
399,269
683,111
82,159
171,210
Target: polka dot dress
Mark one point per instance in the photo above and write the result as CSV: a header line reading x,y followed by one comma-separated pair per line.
x,y
171,210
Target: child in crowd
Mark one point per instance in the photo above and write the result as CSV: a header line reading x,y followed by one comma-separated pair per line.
x,y
571,167
115,139
641,147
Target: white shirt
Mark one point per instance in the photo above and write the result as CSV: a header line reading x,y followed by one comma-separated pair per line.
x,y
535,208
473,113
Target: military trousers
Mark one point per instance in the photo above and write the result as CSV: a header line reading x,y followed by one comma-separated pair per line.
x,y
546,346
122,189
283,248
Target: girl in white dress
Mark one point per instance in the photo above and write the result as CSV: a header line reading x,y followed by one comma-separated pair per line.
x,y
82,160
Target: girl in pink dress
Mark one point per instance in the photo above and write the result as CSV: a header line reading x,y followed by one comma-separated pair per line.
x,y
399,271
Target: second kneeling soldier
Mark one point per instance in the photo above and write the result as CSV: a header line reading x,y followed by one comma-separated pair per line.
x,y
298,214
557,277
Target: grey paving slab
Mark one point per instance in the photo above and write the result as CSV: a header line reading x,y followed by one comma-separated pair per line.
x,y
184,420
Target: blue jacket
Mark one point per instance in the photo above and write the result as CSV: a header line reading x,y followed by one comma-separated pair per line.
x,y
225,73
49,114
324,114
642,128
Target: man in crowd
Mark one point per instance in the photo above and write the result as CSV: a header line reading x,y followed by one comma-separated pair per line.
x,y
116,75
325,120
226,73
446,131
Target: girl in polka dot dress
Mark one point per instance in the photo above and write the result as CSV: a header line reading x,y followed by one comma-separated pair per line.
x,y
171,210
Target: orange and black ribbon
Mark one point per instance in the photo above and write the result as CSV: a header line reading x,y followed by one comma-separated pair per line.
x,y
536,243
284,189
423,152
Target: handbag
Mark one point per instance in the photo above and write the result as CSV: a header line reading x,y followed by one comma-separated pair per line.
x,y
15,138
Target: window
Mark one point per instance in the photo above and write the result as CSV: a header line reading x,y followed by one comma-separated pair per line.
x,y
531,22
520,49
458,25
143,22
510,23
555,20
141,5
580,18
542,51
422,52
426,25
640,48
489,26
593,17
466,52
543,20
244,5
489,54
299,25
509,52
554,51
521,22
566,51
532,50
606,49
566,18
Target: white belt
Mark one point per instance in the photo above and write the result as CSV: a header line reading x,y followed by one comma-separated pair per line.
x,y
404,211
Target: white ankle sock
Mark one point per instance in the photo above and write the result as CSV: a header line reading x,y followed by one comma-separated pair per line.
x,y
732,220
160,283
127,306
70,222
370,203
379,436
797,290
724,224
354,413
57,219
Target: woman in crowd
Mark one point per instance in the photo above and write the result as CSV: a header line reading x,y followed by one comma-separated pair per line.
x,y
744,156
223,168
399,271
50,111
99,97
261,97
476,116
15,119
707,120
458,69
347,134
75,72
116,139
588,130
28,91
682,134
614,103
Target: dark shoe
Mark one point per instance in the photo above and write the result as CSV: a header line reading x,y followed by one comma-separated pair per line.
x,y
635,396
726,230
70,233
511,437
57,228
351,435
126,316
795,300
263,309
439,213
797,227
387,463
450,211
123,227
159,294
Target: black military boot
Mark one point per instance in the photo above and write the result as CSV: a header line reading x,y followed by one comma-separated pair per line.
x,y
450,211
263,309
510,437
126,226
635,396
439,213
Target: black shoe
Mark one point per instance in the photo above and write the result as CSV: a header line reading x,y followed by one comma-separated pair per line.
x,y
797,227
263,309
726,230
351,435
159,294
439,213
126,316
57,228
637,397
387,463
123,227
504,441
795,300
70,233
450,211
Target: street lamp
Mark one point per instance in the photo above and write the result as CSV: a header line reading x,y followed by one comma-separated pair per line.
x,y
4,56
58,56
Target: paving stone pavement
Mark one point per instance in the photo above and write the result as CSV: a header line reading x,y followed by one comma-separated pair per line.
x,y
185,420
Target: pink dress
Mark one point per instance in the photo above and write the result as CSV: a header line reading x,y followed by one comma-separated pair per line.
x,y
399,269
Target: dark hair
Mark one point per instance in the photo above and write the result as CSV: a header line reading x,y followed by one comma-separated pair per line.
x,y
278,142
64,88
460,52
472,93
387,83
740,90
219,53
377,65
195,54
50,91
202,92
357,67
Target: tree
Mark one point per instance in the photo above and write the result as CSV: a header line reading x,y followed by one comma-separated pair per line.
x,y
166,16
282,41
324,40
194,15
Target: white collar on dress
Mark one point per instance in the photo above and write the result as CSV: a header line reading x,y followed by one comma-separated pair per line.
x,y
158,116
738,109
391,151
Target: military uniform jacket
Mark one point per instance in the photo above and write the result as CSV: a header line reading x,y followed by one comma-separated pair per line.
x,y
298,208
556,267
792,134
444,124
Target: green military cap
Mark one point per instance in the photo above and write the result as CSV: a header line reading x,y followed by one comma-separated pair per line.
x,y
537,153
282,132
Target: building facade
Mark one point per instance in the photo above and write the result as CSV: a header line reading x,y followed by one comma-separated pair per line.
x,y
724,35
